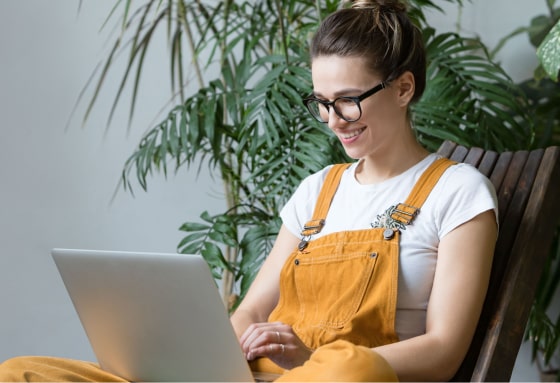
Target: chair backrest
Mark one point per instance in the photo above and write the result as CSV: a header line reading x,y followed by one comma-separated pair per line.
x,y
527,185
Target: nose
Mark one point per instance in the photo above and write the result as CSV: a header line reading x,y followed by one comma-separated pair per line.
x,y
335,121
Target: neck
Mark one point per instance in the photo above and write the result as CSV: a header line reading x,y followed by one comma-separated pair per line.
x,y
391,162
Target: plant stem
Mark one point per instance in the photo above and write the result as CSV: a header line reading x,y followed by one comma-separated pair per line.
x,y
550,6
282,31
190,41
231,196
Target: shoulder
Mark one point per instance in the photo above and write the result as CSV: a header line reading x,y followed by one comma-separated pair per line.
x,y
461,175
462,193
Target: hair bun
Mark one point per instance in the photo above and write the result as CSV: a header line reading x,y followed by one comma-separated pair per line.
x,y
382,5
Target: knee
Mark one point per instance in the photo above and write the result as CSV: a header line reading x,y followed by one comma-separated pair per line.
x,y
349,362
343,361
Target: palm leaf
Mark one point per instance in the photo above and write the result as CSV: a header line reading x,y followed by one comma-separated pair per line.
x,y
485,96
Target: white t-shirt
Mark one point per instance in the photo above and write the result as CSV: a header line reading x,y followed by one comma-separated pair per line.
x,y
461,194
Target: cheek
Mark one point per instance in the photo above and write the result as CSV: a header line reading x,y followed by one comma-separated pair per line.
x,y
384,110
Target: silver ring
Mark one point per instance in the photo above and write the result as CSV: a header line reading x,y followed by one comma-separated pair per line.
x,y
283,348
278,336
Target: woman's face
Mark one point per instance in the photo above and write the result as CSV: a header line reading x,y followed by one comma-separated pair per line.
x,y
383,113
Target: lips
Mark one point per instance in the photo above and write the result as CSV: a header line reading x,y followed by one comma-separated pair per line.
x,y
349,135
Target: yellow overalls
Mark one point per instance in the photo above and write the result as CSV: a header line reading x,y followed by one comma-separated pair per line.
x,y
340,290
339,293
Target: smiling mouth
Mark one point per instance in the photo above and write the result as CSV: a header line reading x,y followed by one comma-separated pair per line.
x,y
352,134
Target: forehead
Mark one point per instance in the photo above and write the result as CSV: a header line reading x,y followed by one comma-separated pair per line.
x,y
330,74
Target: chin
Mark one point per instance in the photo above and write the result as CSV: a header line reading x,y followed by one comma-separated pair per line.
x,y
353,154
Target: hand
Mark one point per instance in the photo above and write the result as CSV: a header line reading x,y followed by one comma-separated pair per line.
x,y
276,341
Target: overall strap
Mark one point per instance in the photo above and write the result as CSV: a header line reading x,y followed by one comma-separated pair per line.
x,y
403,212
324,200
407,211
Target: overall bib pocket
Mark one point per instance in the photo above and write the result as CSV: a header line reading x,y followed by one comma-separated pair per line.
x,y
332,287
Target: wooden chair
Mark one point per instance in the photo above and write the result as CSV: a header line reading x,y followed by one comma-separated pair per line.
x,y
527,185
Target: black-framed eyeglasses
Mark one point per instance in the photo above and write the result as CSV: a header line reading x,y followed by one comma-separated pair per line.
x,y
346,107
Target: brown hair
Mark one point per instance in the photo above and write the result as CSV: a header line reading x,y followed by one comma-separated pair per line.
x,y
381,32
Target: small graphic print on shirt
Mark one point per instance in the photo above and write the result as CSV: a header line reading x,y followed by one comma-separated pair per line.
x,y
385,221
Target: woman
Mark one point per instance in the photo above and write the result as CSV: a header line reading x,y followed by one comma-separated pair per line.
x,y
368,66
381,267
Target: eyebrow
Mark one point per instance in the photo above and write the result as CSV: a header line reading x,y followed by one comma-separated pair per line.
x,y
340,93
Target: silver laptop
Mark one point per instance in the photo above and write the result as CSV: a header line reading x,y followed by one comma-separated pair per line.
x,y
153,317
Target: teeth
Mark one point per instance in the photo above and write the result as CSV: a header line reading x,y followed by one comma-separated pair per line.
x,y
349,135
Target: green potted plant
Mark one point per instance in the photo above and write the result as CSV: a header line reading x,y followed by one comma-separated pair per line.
x,y
249,126
249,123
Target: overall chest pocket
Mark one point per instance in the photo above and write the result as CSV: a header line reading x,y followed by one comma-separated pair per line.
x,y
332,287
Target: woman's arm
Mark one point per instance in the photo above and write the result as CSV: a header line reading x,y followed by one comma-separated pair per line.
x,y
263,294
259,338
458,293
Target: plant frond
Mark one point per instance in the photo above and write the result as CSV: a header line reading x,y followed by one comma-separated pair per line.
x,y
484,94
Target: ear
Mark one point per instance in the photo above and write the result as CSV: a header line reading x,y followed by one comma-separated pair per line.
x,y
405,86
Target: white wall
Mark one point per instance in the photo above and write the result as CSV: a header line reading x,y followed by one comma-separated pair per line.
x,y
56,185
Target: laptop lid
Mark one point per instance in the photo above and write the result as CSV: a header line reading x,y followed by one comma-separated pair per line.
x,y
152,316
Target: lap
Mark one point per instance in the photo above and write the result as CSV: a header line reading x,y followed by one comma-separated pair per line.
x,y
338,361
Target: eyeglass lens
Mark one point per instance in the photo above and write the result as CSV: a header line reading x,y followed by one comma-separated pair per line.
x,y
346,108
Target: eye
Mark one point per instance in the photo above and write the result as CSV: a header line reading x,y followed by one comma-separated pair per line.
x,y
345,101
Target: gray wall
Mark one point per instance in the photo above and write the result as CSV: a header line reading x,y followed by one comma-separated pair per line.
x,y
56,185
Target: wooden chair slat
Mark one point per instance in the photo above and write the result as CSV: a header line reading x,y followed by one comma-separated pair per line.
x,y
474,156
499,172
509,184
488,163
446,148
511,211
459,154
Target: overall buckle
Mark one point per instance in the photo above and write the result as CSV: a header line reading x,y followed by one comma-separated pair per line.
x,y
405,213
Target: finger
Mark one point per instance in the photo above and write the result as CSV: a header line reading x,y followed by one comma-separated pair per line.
x,y
250,336
259,334
270,350
256,327
248,331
